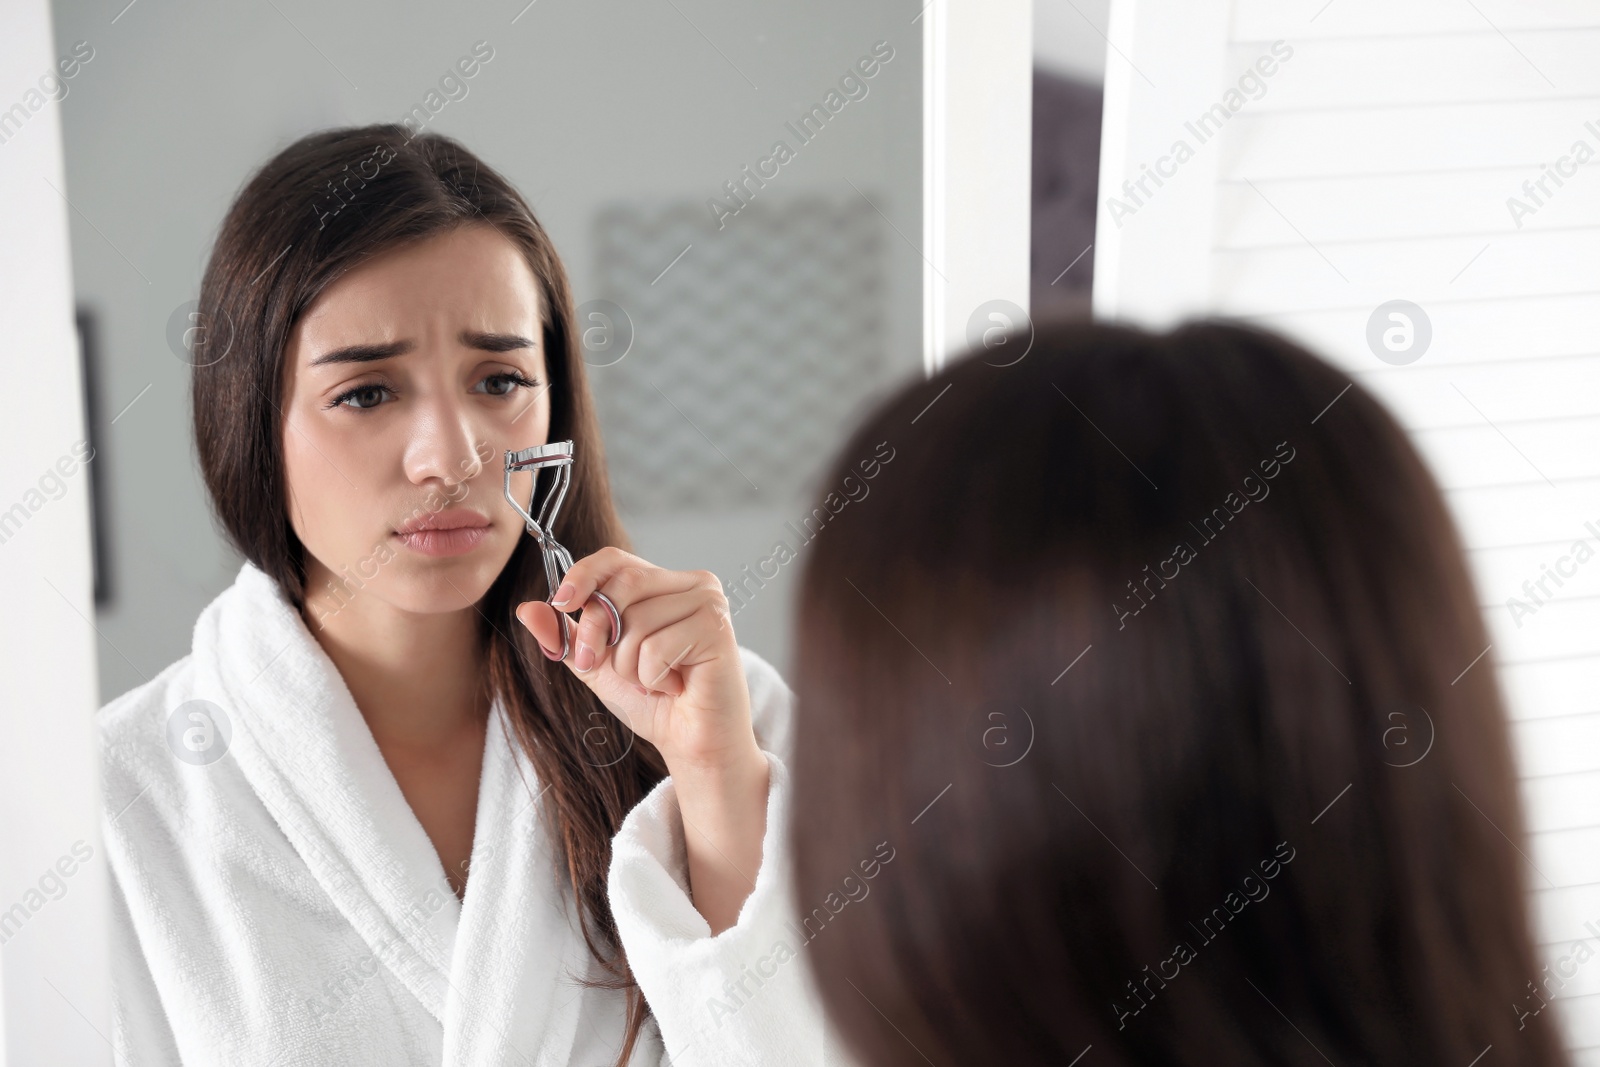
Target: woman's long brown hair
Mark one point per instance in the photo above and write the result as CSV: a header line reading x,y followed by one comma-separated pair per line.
x,y
1147,641
315,210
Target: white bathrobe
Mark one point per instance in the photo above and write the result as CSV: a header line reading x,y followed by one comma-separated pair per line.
x,y
276,901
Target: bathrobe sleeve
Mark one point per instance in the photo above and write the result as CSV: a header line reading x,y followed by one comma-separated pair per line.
x,y
745,995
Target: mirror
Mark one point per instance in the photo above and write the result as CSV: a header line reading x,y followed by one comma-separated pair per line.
x,y
730,190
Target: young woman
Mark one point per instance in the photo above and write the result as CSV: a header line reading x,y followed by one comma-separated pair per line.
x,y
1139,728
368,819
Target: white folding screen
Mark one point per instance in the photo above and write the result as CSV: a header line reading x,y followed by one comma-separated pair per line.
x,y
1323,166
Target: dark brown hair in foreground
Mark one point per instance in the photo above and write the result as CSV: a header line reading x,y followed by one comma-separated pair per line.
x,y
1186,660
318,208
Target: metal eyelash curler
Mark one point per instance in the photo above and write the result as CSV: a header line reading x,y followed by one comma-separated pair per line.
x,y
557,560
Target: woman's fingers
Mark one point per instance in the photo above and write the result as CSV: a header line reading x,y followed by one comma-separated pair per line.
x,y
645,619
541,621
640,658
622,576
664,653
592,632
585,576
544,622
677,648
627,582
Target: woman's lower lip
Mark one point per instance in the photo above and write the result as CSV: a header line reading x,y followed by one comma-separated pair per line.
x,y
445,542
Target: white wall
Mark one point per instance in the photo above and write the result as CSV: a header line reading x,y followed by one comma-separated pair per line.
x,y
52,925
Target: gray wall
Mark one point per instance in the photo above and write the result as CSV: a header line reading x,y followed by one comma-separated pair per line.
x,y
1069,38
583,103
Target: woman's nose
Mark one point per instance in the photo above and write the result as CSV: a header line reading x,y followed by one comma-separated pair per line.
x,y
444,444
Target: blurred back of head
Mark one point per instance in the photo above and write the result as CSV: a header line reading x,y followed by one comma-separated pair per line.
x,y
1143,665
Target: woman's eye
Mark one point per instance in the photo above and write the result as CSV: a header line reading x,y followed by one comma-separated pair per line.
x,y
366,397
505,384
361,397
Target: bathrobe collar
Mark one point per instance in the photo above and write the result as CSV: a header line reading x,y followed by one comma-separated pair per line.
x,y
495,969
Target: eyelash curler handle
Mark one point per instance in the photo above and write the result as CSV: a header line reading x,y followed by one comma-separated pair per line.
x,y
557,456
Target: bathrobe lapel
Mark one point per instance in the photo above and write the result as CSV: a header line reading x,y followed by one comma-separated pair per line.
x,y
495,971
514,995
305,749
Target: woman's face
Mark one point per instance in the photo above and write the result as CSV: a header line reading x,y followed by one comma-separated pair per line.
x,y
406,381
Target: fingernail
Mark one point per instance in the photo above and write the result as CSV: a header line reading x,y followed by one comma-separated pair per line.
x,y
563,594
547,653
584,659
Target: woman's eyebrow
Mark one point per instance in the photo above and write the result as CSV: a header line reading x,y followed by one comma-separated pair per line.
x,y
363,353
487,342
494,342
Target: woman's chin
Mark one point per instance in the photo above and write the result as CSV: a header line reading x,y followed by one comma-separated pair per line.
x,y
428,584
422,581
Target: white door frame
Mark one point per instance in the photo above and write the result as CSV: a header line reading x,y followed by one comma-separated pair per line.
x,y
977,121
54,967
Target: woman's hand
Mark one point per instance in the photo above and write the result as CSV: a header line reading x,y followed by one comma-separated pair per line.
x,y
675,679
